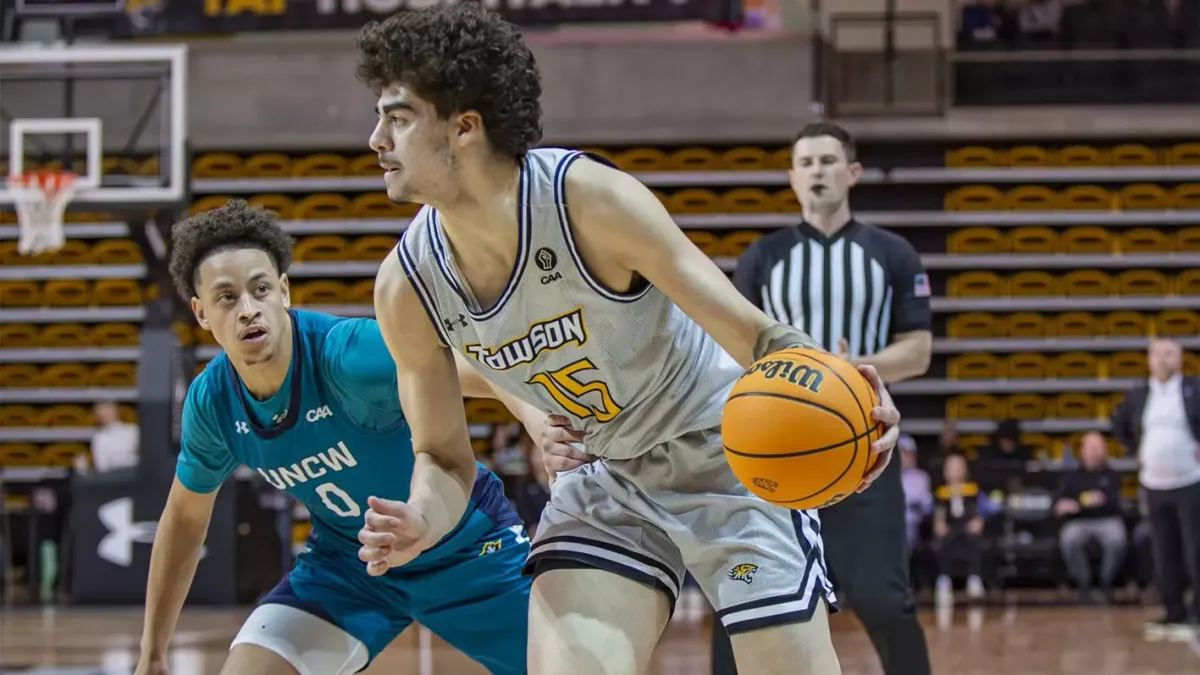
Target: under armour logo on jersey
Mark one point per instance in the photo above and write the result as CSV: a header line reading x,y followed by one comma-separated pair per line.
x,y
461,320
317,414
242,427
280,417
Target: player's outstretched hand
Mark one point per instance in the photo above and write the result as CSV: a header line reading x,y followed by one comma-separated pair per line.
x,y
887,415
555,441
393,533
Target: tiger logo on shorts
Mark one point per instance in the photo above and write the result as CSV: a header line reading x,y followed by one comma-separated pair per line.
x,y
743,572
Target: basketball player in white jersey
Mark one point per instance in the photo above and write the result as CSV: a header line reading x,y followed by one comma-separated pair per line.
x,y
569,285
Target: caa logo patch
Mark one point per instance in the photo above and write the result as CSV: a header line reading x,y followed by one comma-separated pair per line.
x,y
317,414
743,572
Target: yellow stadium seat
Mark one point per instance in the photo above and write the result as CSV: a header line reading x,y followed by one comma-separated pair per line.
x,y
1088,239
785,201
361,292
975,156
283,205
1128,364
1188,282
1087,198
1144,196
65,375
1026,365
1083,155
375,205
9,254
780,158
320,165
204,337
641,159
63,454
66,293
693,200
322,206
707,242
65,415
1177,322
20,455
975,198
125,165
76,252
372,247
113,335
20,294
320,293
1041,444
978,240
735,243
1034,239
183,331
117,292
1187,240
1144,240
1027,325
208,203
1142,282
1028,407
1030,156
1184,154
19,416
974,366
1075,364
321,248
745,200
19,375
19,335
1191,364
149,166
116,252
970,406
1076,405
218,165
114,375
1125,324
1186,196
268,165
364,165
691,159
977,284
1077,324
743,159
1031,282
1087,282
1134,154
973,325
198,369
486,411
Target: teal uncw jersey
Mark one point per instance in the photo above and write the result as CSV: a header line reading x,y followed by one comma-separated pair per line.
x,y
333,435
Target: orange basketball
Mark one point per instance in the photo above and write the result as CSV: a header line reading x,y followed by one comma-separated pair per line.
x,y
798,429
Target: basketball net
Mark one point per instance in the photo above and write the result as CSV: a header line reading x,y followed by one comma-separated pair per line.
x,y
41,199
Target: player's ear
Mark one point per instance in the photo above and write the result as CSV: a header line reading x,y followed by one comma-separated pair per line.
x,y
468,126
198,310
856,170
285,287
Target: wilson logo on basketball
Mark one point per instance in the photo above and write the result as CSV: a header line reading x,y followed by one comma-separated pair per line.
x,y
797,374
743,572
766,484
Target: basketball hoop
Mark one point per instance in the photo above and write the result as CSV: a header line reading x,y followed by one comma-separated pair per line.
x,y
41,200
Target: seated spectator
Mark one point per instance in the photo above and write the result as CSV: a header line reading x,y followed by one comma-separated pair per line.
x,y
1088,498
1002,461
959,510
983,22
115,443
918,498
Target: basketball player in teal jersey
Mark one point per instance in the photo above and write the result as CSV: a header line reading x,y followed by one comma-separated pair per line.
x,y
309,401
566,283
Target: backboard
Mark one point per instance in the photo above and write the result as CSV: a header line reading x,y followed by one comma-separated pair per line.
x,y
114,114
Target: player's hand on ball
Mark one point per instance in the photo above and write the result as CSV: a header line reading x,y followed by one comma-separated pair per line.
x,y
393,533
555,442
887,415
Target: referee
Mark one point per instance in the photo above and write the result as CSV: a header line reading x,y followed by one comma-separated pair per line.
x,y
861,292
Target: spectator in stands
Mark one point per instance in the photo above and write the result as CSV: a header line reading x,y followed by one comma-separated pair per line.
x,y
985,22
1160,421
1089,499
1003,460
115,443
532,491
959,512
918,496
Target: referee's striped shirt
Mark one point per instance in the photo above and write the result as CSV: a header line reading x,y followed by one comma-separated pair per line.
x,y
862,283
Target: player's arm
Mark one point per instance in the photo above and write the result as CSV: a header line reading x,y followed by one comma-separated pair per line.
x,y
428,384
204,464
621,223
910,349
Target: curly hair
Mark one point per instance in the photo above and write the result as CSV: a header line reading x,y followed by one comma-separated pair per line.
x,y
232,226
459,56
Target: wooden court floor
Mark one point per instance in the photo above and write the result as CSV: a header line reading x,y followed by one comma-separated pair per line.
x,y
1020,641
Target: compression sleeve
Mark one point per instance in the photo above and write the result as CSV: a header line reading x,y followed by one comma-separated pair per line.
x,y
204,458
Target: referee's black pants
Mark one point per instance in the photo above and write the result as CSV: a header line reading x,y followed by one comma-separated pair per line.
x,y
867,553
